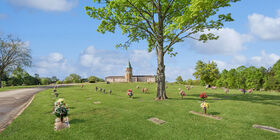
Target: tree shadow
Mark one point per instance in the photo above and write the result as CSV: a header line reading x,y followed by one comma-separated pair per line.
x,y
75,121
214,113
253,98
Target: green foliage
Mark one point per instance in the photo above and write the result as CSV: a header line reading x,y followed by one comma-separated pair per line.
x,y
206,73
94,79
148,20
179,80
46,81
73,78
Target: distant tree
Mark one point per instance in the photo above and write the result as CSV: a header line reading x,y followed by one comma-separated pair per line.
x,y
17,77
189,82
179,80
92,79
13,53
207,73
37,77
162,23
46,81
73,78
232,78
54,79
222,81
276,72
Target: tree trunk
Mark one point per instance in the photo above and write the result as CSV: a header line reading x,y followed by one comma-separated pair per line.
x,y
161,94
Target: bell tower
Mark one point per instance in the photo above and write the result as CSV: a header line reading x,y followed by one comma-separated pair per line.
x,y
128,73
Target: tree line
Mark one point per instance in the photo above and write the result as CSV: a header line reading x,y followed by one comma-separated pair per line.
x,y
15,56
19,77
241,77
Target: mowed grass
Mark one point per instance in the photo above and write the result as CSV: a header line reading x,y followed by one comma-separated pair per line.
x,y
18,87
119,118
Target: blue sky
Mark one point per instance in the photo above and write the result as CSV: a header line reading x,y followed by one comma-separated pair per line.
x,y
64,40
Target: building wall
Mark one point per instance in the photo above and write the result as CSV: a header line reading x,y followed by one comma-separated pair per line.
x,y
116,79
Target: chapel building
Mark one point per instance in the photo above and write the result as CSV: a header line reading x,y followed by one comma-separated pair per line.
x,y
129,77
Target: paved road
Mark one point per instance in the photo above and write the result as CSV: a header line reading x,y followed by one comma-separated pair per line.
x,y
13,102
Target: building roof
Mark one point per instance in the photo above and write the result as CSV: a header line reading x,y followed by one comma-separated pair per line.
x,y
129,65
143,76
114,77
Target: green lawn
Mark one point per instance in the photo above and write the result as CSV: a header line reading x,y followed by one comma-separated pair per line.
x,y
18,87
118,117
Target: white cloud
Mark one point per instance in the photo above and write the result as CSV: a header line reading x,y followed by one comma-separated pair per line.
x,y
172,73
267,28
53,65
266,60
46,5
229,42
107,63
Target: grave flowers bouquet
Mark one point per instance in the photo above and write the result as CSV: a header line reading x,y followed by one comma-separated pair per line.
x,y
129,93
203,96
61,109
182,93
204,106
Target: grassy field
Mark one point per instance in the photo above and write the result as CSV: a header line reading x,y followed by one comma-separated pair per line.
x,y
118,117
18,87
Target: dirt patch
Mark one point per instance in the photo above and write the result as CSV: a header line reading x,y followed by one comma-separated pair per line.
x,y
157,121
97,102
58,125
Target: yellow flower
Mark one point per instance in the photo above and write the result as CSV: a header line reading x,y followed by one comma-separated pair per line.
x,y
60,100
204,104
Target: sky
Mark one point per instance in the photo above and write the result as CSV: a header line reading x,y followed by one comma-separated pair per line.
x,y
64,40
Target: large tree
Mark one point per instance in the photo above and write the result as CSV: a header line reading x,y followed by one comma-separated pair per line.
x,y
162,23
13,53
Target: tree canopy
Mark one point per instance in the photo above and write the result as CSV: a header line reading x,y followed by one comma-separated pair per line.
x,y
13,53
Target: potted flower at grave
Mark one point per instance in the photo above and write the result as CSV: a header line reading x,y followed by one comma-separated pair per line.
x,y
129,93
203,96
204,106
243,90
182,93
61,109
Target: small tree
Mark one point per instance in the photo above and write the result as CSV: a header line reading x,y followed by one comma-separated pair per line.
x,y
207,73
73,78
13,53
179,80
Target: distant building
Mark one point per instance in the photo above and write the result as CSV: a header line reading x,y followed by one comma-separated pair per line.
x,y
129,77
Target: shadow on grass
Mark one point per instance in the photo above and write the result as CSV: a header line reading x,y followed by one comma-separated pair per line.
x,y
214,113
75,121
253,98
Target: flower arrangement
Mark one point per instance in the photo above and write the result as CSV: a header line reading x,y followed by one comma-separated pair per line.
x,y
61,109
129,93
204,106
182,93
243,91
203,96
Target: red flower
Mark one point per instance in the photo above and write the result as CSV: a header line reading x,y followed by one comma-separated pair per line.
x,y
183,93
129,90
203,95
